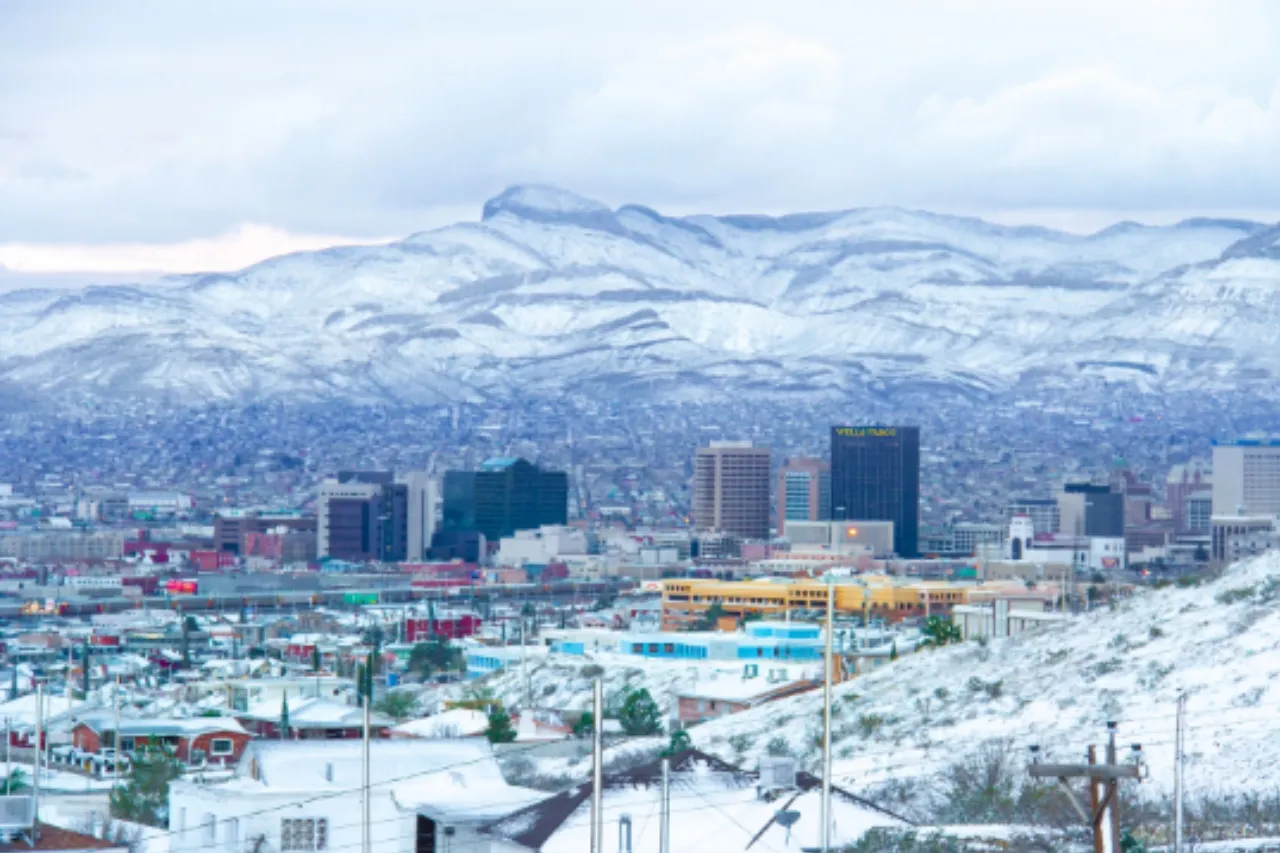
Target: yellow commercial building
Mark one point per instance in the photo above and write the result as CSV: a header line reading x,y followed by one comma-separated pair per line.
x,y
685,601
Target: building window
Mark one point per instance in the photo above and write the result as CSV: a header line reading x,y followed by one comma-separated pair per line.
x,y
222,746
669,648
127,744
304,834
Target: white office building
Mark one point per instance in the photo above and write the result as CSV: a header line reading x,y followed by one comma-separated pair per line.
x,y
1246,477
424,498
850,538
541,546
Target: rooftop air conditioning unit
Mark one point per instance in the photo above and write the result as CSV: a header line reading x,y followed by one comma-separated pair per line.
x,y
17,815
777,773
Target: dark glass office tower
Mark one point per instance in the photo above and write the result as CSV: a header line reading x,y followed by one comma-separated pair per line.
x,y
504,496
367,520
875,476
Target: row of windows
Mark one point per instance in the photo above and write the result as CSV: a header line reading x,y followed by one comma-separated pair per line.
x,y
669,649
304,834
297,835
219,746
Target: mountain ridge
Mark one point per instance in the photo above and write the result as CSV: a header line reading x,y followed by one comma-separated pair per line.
x,y
816,303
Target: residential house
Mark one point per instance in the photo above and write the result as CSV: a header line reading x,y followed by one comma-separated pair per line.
x,y
313,718
541,726
1003,618
483,660
456,722
35,835
18,717
216,740
712,698
426,796
246,693
715,806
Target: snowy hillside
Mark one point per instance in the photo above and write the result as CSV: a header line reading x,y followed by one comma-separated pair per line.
x,y
552,292
1220,643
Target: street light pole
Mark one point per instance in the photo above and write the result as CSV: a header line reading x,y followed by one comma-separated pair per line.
x,y
826,718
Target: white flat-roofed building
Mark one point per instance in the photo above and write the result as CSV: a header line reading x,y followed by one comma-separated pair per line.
x,y
1246,477
304,796
851,537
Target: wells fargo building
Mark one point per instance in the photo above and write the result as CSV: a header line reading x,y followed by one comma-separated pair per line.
x,y
875,476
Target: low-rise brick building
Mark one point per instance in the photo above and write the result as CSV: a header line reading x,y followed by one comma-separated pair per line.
x,y
217,740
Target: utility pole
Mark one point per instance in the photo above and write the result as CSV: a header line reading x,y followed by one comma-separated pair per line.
x,y
826,719
1178,761
35,764
115,735
71,668
1103,812
366,794
597,771
664,823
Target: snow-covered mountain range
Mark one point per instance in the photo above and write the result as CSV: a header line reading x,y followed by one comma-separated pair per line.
x,y
551,293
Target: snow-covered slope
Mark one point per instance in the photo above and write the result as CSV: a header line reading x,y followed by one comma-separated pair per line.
x,y
552,292
1220,643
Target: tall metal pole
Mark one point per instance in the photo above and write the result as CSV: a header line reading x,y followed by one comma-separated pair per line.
x,y
8,767
826,719
1179,760
366,793
664,825
524,667
1113,789
35,769
115,733
597,771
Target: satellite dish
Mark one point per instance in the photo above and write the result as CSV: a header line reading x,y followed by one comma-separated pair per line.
x,y
786,818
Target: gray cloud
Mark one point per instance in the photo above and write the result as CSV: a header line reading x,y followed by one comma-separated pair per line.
x,y
153,121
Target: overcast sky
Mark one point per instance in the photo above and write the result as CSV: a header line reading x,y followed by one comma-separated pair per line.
x,y
207,135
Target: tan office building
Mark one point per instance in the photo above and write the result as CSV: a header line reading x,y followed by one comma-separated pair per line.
x,y
731,489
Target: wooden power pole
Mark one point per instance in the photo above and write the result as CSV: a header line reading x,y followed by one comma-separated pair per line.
x,y
1103,812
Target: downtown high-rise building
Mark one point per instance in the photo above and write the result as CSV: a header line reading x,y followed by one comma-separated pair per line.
x,y
507,494
1187,488
422,498
875,475
804,492
1044,513
731,489
1091,509
361,516
1246,478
